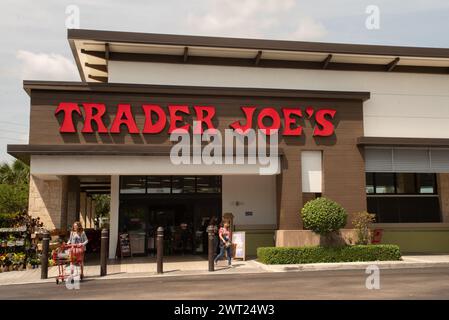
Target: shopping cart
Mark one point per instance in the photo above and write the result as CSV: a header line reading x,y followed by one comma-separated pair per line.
x,y
69,258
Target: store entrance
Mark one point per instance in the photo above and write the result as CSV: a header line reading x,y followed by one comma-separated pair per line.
x,y
183,215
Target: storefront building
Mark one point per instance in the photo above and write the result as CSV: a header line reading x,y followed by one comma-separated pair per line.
x,y
366,126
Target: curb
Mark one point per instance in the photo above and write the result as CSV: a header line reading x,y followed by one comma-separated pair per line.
x,y
385,265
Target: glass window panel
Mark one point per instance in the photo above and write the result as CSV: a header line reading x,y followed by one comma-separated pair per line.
x,y
176,185
426,182
183,184
132,217
384,182
369,182
405,183
132,184
208,184
159,184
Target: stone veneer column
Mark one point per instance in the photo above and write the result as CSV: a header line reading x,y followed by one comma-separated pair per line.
x,y
64,202
289,191
92,220
83,208
48,201
73,200
443,191
114,215
89,213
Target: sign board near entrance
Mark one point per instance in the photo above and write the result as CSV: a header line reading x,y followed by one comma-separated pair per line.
x,y
124,245
238,239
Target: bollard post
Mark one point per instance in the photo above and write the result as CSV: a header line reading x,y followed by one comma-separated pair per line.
x,y
160,249
211,246
44,255
104,252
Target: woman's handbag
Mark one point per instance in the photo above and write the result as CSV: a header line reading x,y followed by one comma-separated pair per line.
x,y
228,244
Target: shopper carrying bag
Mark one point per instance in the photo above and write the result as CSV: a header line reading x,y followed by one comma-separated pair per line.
x,y
225,240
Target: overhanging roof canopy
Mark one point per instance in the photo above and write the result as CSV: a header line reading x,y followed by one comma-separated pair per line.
x,y
93,49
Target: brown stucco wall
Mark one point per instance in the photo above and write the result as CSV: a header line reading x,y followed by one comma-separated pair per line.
x,y
443,191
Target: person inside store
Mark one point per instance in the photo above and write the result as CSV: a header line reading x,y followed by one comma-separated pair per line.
x,y
225,243
79,239
184,237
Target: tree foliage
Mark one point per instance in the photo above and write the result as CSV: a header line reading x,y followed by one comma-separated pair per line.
x,y
15,173
102,205
14,186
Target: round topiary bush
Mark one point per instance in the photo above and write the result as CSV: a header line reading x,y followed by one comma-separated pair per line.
x,y
323,216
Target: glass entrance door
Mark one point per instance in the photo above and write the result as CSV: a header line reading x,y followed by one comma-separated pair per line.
x,y
183,205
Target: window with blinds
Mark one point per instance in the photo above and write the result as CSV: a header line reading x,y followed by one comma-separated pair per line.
x,y
426,160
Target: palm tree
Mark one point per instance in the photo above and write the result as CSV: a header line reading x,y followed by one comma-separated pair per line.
x,y
15,173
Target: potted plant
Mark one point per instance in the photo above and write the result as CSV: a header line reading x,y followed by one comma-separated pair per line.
x,y
35,262
18,260
2,261
362,222
11,241
6,262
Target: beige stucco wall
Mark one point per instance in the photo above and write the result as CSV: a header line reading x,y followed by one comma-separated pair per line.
x,y
407,92
301,238
47,201
254,193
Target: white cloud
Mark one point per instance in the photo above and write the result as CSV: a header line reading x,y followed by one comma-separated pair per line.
x,y
43,66
245,18
256,18
309,29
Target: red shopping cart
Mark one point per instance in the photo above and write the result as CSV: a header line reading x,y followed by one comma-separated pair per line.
x,y
68,258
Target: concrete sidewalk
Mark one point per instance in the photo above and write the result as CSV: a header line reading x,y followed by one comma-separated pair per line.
x,y
136,268
193,265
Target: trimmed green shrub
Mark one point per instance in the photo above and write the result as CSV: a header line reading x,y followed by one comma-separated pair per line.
x,y
323,216
301,255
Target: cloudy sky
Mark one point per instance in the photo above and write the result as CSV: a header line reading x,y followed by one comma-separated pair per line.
x,y
34,44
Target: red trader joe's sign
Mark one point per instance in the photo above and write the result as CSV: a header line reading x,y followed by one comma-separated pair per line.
x,y
286,121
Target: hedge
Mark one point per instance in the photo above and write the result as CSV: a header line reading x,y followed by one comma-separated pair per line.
x,y
300,255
